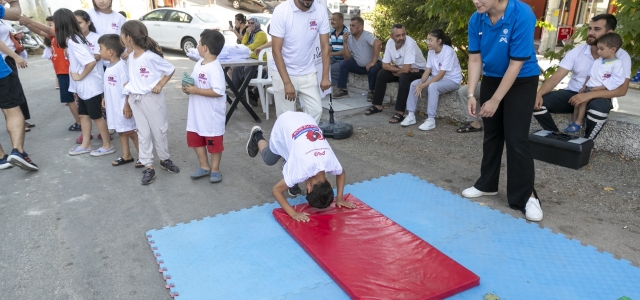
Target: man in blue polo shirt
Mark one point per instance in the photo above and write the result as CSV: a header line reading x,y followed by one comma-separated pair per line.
x,y
10,99
336,38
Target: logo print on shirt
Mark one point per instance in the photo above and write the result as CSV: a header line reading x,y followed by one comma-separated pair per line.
x,y
114,26
313,25
202,78
503,39
144,73
111,80
606,76
505,31
311,132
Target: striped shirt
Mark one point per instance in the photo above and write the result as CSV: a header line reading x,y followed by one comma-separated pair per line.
x,y
336,42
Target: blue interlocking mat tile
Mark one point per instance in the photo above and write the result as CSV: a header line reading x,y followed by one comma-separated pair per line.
x,y
247,255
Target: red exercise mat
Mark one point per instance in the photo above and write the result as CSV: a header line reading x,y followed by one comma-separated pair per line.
x,y
372,257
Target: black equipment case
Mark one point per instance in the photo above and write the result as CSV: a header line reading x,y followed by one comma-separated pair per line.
x,y
560,149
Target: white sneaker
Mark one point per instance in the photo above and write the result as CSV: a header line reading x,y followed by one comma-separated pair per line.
x,y
408,120
614,102
533,212
472,192
428,124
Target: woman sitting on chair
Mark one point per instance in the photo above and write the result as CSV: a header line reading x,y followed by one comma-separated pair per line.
x,y
253,38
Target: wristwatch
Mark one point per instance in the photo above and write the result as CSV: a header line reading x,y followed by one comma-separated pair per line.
x,y
470,95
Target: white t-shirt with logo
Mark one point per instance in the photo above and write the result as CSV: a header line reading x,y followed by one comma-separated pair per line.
x,y
5,31
579,61
92,38
300,31
81,55
607,73
145,72
446,60
298,139
105,24
409,53
205,115
115,76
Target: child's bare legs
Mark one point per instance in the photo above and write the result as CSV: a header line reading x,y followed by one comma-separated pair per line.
x,y
579,113
215,162
124,141
85,124
101,124
133,135
201,153
74,111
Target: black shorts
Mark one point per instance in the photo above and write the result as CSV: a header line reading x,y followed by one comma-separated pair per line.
x,y
91,107
11,95
63,82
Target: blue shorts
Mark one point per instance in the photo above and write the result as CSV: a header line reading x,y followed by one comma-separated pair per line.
x,y
63,83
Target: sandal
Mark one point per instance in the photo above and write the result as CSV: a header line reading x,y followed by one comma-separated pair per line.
x,y
372,110
75,127
29,124
573,128
397,118
121,161
139,164
468,128
27,129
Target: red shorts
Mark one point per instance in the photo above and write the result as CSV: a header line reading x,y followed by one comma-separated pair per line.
x,y
214,144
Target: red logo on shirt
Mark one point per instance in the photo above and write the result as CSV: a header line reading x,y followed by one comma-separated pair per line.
x,y
606,75
114,26
311,132
144,73
202,78
111,80
313,25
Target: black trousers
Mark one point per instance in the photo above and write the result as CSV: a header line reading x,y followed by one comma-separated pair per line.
x,y
24,107
509,124
557,102
404,83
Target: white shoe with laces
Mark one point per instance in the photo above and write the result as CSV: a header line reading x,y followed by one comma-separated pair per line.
x,y
428,124
408,121
472,192
533,211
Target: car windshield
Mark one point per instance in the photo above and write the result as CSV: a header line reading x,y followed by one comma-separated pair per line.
x,y
207,18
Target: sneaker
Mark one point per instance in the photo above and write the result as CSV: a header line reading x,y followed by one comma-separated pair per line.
x,y
79,150
428,124
294,191
340,93
21,160
148,175
75,127
472,192
169,166
215,177
102,151
79,139
200,172
4,164
252,143
408,121
533,212
370,96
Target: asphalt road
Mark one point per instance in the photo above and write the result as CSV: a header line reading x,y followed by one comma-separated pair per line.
x,y
75,229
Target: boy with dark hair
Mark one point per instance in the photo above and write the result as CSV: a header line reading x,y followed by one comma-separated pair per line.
x,y
606,73
206,114
308,158
116,104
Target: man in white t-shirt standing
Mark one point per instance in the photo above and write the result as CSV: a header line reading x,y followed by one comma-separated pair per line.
x,y
403,63
297,138
295,27
579,61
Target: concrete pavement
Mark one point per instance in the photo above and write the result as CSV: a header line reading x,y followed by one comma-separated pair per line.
x,y
75,229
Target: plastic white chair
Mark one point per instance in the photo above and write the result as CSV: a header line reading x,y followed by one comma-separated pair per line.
x,y
262,83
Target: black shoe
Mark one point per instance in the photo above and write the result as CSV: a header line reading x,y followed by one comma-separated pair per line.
x,y
252,144
340,93
169,166
148,175
294,191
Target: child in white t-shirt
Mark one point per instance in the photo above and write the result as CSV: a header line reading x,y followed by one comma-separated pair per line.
x,y
297,138
148,73
606,73
86,81
120,118
89,32
106,20
442,75
207,106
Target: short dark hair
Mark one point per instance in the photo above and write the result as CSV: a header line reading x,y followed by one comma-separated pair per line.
x,y
612,22
396,26
611,39
321,195
49,19
213,39
358,19
124,14
339,14
112,42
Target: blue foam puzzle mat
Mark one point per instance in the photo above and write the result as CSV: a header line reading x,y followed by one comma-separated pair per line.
x,y
247,255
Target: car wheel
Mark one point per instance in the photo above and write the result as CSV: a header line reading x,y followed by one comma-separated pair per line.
x,y
235,4
266,11
187,44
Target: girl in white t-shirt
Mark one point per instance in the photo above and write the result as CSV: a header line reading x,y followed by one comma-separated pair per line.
x,y
207,106
105,20
442,75
148,73
89,32
86,81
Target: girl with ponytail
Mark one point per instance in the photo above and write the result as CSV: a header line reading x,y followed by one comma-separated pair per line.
x,y
443,75
148,73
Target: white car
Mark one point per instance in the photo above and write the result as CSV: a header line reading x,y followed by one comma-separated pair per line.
x,y
179,28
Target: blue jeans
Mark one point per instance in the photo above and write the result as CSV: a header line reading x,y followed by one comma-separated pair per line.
x,y
350,65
